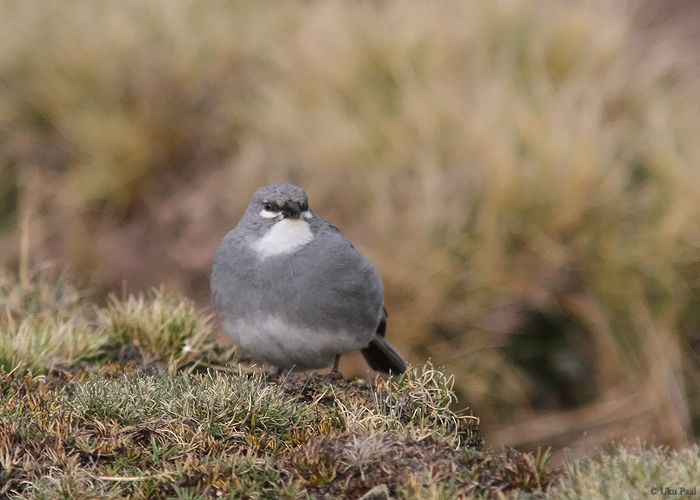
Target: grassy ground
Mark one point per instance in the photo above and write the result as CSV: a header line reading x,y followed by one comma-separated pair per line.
x,y
524,176
137,400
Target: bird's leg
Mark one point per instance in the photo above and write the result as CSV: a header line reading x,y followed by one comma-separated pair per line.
x,y
336,364
335,374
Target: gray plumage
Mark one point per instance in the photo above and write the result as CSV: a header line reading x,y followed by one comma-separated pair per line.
x,y
291,290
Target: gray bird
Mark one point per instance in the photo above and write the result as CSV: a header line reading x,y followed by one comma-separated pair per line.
x,y
292,291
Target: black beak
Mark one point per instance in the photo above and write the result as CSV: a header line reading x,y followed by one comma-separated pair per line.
x,y
291,209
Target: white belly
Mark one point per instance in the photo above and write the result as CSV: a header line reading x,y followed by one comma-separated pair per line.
x,y
273,341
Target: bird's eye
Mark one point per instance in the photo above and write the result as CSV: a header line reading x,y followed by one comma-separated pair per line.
x,y
267,207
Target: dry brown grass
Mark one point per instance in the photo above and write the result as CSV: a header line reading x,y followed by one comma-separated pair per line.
x,y
525,176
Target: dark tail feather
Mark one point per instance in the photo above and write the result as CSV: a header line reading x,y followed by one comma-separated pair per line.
x,y
382,357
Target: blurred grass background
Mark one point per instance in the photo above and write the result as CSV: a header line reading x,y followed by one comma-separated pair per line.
x,y
525,176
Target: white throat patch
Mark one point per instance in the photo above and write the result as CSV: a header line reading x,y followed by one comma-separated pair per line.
x,y
286,236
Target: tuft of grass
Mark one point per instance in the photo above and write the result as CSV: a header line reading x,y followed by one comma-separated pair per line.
x,y
172,330
44,324
40,345
47,325
424,399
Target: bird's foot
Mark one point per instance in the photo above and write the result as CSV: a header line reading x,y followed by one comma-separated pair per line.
x,y
334,375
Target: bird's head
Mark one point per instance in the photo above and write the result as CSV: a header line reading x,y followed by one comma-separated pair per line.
x,y
277,216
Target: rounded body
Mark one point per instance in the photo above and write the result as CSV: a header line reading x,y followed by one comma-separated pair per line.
x,y
300,308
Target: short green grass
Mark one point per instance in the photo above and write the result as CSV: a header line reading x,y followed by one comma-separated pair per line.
x,y
81,419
